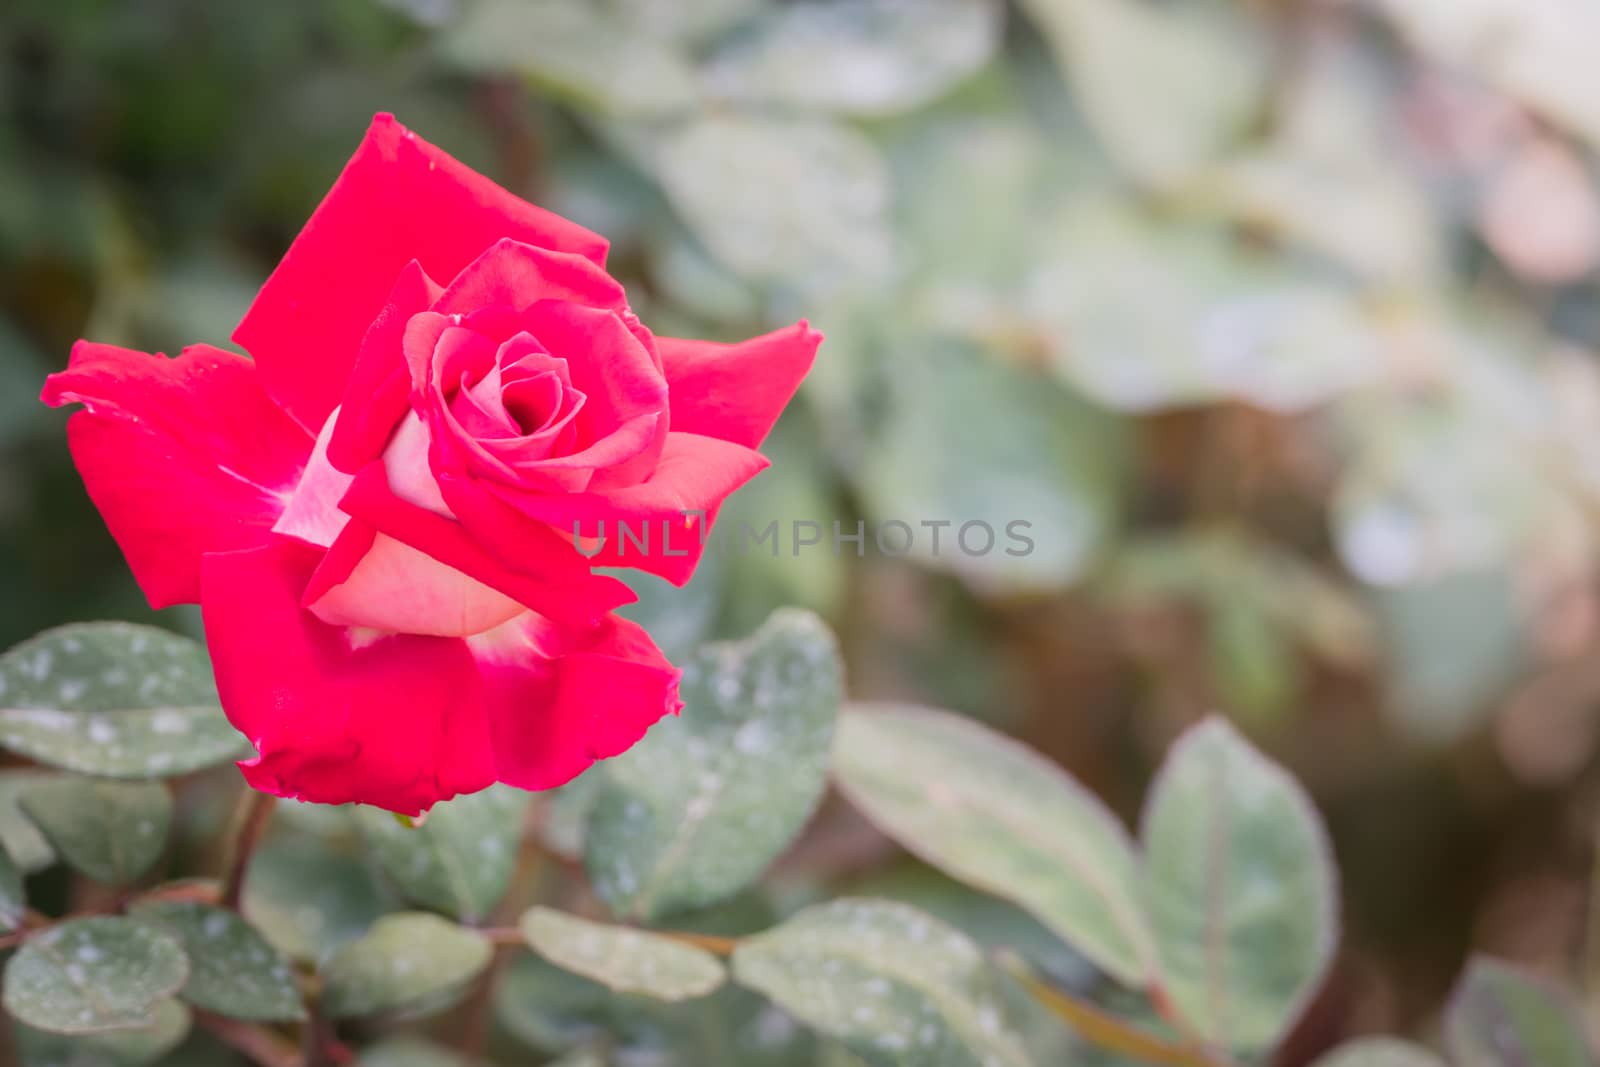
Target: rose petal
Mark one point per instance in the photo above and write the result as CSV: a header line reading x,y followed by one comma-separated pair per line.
x,y
695,475
398,199
372,580
557,700
513,274
182,456
313,514
736,392
541,570
337,715
378,393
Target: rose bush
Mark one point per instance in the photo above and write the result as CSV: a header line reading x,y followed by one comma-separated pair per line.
x,y
392,517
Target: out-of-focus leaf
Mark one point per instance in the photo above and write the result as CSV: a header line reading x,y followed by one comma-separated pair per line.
x,y
233,970
548,1008
1166,86
1538,53
794,200
1022,475
13,898
1144,317
460,860
308,898
699,808
1458,477
1239,888
894,984
987,810
408,961
114,1048
772,572
590,53
111,831
679,618
1329,178
858,57
1499,1016
91,975
411,1052
622,959
1455,643
19,837
1379,1052
114,699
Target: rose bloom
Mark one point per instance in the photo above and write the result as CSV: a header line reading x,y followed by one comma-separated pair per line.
x,y
380,515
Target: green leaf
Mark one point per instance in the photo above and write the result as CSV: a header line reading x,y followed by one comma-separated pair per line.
x,y
857,57
894,984
795,200
19,837
548,1008
411,1052
115,1048
698,809
1379,1052
1165,86
115,700
90,975
1024,475
13,896
622,959
989,811
1499,1016
588,53
460,860
1239,888
308,898
234,971
112,831
409,961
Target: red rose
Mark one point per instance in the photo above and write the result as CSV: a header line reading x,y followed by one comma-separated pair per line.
x,y
378,514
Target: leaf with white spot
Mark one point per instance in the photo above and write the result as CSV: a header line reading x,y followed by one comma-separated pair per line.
x,y
1239,889
1379,1052
797,200
698,809
233,970
116,700
111,831
410,962
857,57
1499,1017
91,975
114,1048
985,809
622,959
896,985
460,860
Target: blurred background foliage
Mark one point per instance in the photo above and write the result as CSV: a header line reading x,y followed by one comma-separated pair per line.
x,y
1277,319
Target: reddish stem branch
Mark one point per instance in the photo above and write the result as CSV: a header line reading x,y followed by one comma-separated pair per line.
x,y
256,812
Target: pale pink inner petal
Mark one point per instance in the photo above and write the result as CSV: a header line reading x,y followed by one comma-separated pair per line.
x,y
313,514
399,589
405,465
